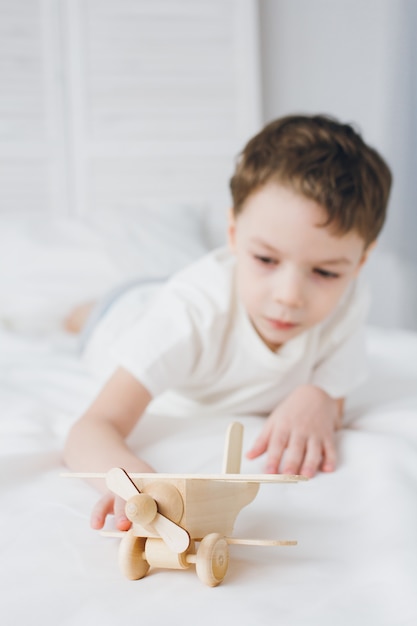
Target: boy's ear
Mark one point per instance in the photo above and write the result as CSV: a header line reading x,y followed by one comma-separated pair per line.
x,y
365,256
231,230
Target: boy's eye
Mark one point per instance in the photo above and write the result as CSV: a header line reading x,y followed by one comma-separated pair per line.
x,y
265,260
325,273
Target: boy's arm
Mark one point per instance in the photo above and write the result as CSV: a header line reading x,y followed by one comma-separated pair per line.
x,y
97,441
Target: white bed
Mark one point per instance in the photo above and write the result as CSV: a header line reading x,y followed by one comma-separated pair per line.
x,y
356,559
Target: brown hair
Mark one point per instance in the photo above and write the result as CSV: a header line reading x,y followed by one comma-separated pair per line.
x,y
323,160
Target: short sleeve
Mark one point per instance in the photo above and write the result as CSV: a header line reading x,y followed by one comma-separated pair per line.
x,y
162,347
342,362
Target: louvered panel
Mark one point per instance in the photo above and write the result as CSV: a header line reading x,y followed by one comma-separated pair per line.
x,y
160,70
164,92
24,184
22,106
122,183
32,175
105,102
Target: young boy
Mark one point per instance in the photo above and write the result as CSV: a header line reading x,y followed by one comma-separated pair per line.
x,y
271,326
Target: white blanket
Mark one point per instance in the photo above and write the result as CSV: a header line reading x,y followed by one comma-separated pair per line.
x,y
356,558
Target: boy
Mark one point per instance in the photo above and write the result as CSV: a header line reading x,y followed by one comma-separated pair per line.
x,y
271,326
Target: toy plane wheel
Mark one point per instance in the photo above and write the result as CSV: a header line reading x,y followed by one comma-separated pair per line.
x,y
132,563
212,559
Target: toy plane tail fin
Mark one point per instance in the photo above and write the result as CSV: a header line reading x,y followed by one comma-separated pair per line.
x,y
233,449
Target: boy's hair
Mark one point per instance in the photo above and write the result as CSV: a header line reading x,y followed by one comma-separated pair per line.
x,y
323,160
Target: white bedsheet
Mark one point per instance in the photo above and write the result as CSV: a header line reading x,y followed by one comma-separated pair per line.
x,y
356,559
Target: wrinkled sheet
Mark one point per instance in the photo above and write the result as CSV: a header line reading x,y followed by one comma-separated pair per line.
x,y
356,558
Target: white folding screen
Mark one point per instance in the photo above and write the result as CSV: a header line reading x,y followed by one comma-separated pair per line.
x,y
32,140
109,103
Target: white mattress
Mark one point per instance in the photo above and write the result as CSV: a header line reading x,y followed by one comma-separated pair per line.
x,y
356,558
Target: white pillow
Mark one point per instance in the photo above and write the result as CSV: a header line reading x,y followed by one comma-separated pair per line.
x,y
153,239
50,264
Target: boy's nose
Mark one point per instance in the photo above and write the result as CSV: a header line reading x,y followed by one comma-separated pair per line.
x,y
288,289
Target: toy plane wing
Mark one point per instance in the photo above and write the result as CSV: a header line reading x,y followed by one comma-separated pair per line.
x,y
231,478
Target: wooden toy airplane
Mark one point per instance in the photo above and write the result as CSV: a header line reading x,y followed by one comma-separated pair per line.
x,y
170,513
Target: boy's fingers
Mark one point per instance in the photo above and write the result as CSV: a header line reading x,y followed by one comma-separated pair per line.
x,y
294,455
276,448
259,447
122,523
329,456
100,511
312,459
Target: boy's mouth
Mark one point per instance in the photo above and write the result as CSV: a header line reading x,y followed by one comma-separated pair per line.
x,y
280,325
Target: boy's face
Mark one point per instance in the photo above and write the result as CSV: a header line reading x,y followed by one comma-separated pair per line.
x,y
291,272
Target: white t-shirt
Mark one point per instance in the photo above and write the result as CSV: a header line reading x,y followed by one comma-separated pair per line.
x,y
192,345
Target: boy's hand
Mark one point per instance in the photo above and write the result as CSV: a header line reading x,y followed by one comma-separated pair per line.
x,y
109,504
303,428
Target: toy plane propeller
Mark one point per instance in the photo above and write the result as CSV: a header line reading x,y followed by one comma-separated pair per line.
x,y
141,509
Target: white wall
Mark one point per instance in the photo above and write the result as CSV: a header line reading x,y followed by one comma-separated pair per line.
x,y
356,60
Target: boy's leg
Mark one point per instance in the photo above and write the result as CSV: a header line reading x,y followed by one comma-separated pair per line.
x,y
77,318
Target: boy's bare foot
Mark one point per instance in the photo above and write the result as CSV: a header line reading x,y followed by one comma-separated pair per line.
x,y
75,321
